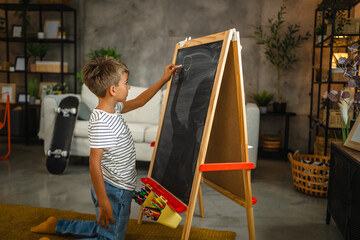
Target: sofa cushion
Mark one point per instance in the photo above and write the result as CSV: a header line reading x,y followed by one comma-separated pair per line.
x,y
149,113
150,134
84,112
138,131
88,97
81,129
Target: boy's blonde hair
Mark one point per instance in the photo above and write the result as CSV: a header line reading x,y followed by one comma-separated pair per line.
x,y
102,73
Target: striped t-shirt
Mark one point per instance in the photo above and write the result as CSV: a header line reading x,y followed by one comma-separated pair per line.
x,y
111,133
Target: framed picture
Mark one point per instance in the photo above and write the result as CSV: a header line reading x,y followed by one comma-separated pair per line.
x,y
20,64
353,140
21,98
16,31
44,87
51,28
9,88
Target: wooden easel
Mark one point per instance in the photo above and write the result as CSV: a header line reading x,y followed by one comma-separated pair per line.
x,y
224,144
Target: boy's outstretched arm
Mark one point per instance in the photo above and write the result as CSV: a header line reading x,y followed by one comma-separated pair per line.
x,y
144,97
105,211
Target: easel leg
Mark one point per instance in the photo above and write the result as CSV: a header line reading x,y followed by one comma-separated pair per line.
x,y
191,207
250,221
201,203
141,214
187,226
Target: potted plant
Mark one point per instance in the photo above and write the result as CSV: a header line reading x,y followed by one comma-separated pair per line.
x,y
262,100
320,32
33,89
37,52
279,46
102,52
22,14
57,89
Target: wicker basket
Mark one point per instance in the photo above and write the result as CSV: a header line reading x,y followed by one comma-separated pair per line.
x,y
310,173
319,145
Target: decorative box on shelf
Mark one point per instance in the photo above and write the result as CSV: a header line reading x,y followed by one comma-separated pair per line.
x,y
50,66
334,117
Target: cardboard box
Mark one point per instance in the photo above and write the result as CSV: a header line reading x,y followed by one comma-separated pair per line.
x,y
50,66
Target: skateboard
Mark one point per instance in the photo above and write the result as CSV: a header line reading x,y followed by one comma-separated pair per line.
x,y
59,152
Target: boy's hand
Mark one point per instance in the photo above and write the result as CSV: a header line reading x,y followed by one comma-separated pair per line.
x,y
105,215
170,70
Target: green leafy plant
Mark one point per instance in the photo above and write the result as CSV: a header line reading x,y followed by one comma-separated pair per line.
x,y
22,14
262,99
33,87
57,89
280,45
102,52
38,52
79,81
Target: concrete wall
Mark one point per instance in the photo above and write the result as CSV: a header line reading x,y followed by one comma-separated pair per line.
x,y
146,32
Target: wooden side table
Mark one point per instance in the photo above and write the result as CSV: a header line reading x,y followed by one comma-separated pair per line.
x,y
282,153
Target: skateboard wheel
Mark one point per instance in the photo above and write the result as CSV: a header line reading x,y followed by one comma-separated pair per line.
x,y
57,110
73,111
64,153
49,152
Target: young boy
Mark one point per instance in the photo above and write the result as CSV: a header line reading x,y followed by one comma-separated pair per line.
x,y
112,152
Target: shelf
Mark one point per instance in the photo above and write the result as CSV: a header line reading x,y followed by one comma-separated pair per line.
x,y
320,124
37,7
327,82
340,5
67,16
35,40
338,42
322,55
58,73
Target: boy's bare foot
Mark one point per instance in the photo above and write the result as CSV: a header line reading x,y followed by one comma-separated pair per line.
x,y
48,226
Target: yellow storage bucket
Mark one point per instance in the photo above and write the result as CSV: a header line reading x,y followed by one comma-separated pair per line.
x,y
149,199
169,217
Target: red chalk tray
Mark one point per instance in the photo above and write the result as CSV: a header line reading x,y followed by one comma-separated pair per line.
x,y
173,202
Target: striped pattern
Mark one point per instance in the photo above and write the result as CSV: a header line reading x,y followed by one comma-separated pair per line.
x,y
111,133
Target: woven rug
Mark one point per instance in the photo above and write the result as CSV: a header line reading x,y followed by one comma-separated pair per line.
x,y
16,221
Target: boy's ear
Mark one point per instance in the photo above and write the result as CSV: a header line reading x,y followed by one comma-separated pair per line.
x,y
112,90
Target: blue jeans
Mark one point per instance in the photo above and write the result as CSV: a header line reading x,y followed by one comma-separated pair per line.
x,y
120,200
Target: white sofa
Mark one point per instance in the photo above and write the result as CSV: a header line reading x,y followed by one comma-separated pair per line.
x,y
143,123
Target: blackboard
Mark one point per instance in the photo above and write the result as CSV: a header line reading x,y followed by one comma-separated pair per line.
x,y
184,119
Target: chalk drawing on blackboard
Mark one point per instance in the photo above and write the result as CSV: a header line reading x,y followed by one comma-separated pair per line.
x,y
187,62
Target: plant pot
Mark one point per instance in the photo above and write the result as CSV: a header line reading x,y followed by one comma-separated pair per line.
x,y
279,107
263,109
319,38
32,99
32,67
